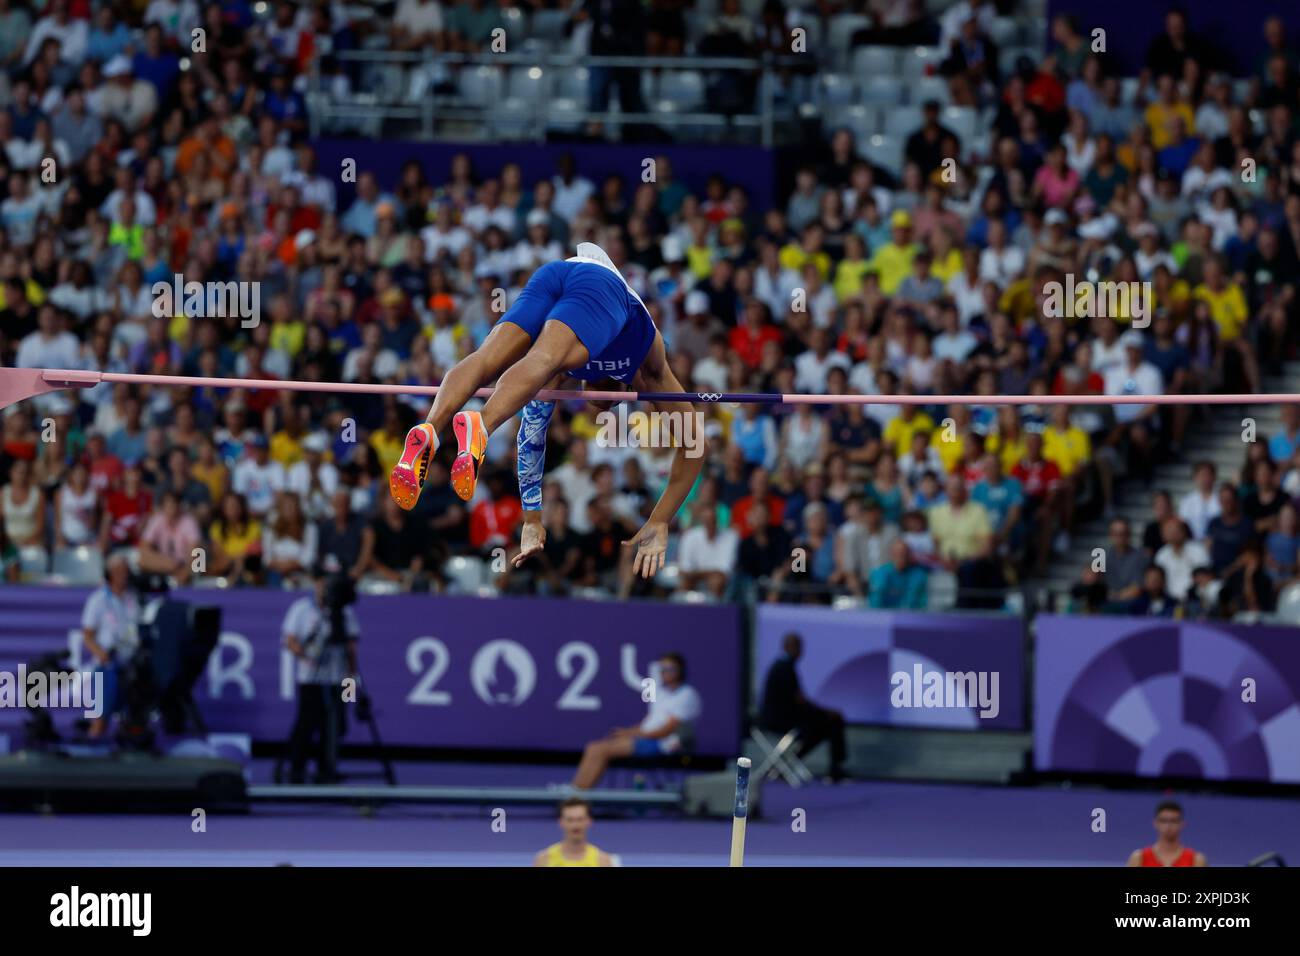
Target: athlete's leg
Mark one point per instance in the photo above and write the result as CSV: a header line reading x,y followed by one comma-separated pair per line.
x,y
503,347
556,350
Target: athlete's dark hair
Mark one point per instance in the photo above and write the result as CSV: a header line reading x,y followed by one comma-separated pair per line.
x,y
1164,805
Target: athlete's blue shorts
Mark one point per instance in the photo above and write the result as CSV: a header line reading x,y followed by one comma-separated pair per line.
x,y
597,305
645,747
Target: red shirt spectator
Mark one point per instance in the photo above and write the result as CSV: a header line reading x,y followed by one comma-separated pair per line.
x,y
1037,477
740,513
748,341
127,510
492,523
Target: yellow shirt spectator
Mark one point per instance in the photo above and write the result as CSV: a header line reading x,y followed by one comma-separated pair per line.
x,y
960,533
388,448
946,267
1069,448
1158,116
848,278
699,259
1227,306
286,449
795,257
949,451
894,264
899,431
213,477
289,336
236,545
1009,453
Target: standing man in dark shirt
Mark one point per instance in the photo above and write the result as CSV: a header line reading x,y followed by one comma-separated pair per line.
x,y
785,708
766,552
618,28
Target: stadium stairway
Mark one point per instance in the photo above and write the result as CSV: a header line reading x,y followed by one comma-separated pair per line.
x,y
1217,439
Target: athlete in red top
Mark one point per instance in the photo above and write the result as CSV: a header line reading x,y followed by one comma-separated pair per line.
x,y
1168,849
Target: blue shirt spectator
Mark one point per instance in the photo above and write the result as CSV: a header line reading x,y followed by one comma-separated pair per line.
x,y
898,583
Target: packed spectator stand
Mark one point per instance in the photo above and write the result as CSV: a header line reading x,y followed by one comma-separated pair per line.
x,y
963,166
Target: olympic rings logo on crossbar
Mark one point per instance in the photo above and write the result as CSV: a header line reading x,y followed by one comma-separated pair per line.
x,y
708,396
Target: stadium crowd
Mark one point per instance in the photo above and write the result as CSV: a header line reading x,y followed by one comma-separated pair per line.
x,y
931,279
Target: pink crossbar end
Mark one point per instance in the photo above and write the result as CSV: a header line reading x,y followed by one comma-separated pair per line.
x,y
17,384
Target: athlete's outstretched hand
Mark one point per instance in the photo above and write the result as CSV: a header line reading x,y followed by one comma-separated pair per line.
x,y
532,538
652,545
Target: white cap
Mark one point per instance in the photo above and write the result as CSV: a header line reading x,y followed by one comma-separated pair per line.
x,y
117,66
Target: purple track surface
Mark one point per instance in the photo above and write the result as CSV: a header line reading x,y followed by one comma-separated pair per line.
x,y
854,824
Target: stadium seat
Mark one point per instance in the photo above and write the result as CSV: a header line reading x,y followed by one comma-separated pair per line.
x,y
564,114
848,602
571,83
842,27
591,594
941,590
903,122
962,120
33,562
208,582
481,85
465,573
669,576
884,91
1288,603
548,24
1004,31
513,118
885,151
529,83
930,88
862,121
836,89
919,61
683,87
81,565
875,61
387,82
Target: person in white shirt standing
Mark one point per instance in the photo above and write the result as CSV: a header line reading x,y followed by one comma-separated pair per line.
x,y
1200,506
668,727
321,631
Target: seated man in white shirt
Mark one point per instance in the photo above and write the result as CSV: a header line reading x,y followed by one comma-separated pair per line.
x,y
668,727
110,631
707,558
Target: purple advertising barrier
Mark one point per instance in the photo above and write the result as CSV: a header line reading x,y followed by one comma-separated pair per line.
x,y
746,166
1156,698
507,673
952,672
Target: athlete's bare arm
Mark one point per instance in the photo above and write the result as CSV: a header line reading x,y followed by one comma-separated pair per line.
x,y
652,540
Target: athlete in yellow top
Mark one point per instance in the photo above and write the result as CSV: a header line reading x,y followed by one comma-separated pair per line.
x,y
573,849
